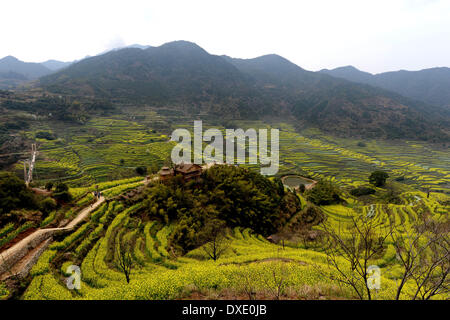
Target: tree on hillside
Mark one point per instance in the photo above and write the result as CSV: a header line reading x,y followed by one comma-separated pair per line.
x,y
14,193
49,186
350,253
215,235
124,259
302,188
423,252
323,193
62,193
378,178
141,171
274,279
235,195
47,205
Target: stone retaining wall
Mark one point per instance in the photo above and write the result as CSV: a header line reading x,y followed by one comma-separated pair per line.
x,y
14,254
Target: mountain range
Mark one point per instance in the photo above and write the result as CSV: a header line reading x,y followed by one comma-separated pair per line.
x,y
429,85
184,77
14,72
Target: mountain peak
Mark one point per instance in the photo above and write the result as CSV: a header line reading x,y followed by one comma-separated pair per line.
x,y
9,59
348,68
183,45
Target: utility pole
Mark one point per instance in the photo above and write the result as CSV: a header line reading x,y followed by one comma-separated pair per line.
x,y
29,175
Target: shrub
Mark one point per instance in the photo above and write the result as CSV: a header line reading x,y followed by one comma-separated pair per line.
x,y
361,144
362,191
141,171
4,293
47,205
14,194
378,178
323,193
60,187
45,135
62,193
49,186
302,188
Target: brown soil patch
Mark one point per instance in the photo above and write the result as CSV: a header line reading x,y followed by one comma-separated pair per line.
x,y
266,260
17,239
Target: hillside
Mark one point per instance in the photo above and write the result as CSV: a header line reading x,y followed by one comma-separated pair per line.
x,y
30,70
14,72
186,78
55,65
193,82
249,266
342,107
429,85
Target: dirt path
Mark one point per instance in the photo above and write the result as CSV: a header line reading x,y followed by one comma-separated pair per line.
x,y
24,265
13,259
19,258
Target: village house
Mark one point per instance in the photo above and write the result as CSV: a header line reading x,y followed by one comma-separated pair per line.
x,y
165,173
188,171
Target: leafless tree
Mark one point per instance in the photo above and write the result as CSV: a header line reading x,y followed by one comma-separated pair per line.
x,y
359,243
124,259
215,237
276,282
423,252
284,234
246,280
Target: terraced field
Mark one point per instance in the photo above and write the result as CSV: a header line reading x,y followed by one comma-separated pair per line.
x,y
102,150
158,274
111,148
344,162
251,261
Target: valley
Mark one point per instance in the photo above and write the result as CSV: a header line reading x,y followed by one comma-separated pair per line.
x,y
106,149
363,184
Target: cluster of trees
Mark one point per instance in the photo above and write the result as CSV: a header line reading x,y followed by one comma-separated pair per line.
x,y
45,135
378,178
362,191
324,193
14,195
61,108
232,195
62,193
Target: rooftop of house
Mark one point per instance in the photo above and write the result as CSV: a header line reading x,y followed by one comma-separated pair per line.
x,y
165,171
187,167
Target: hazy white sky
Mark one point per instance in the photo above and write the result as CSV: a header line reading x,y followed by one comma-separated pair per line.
x,y
374,36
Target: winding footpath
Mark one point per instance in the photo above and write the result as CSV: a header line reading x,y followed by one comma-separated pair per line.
x,y
18,260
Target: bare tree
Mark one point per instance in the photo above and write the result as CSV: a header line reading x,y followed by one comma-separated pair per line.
x,y
124,259
423,252
276,282
247,281
284,234
357,245
215,237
